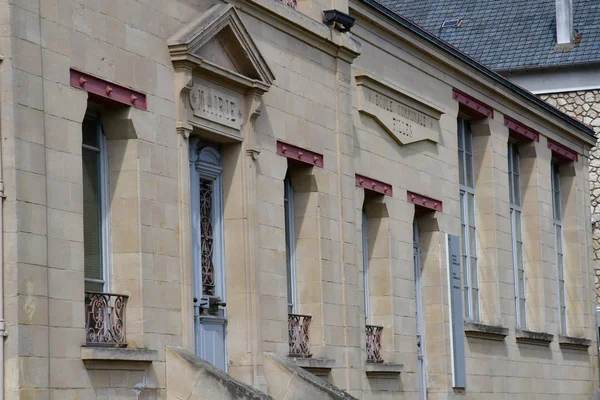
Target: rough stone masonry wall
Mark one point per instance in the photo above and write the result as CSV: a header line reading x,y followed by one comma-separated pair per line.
x,y
585,106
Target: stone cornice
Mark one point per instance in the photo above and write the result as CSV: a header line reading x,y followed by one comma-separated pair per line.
x,y
302,27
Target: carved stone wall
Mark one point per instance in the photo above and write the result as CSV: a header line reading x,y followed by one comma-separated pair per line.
x,y
585,106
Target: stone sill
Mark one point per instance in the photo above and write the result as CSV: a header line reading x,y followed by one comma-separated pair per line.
x,y
535,338
317,366
574,343
482,331
383,370
117,358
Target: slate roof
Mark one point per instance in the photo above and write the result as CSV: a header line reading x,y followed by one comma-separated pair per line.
x,y
508,34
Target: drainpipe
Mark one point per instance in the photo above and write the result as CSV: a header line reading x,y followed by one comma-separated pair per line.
x,y
2,327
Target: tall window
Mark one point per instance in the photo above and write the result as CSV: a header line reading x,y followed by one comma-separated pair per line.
x,y
557,211
290,244
467,212
95,203
514,183
365,249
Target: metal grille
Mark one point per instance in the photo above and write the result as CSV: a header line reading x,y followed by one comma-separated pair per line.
x,y
206,238
374,334
105,319
299,336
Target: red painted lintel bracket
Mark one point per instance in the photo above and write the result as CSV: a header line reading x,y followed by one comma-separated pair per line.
x,y
424,201
295,153
476,106
561,151
520,130
374,185
107,90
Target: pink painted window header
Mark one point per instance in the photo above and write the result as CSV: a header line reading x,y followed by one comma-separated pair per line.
x,y
298,154
374,185
106,90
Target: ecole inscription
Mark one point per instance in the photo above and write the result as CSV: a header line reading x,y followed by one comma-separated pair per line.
x,y
404,117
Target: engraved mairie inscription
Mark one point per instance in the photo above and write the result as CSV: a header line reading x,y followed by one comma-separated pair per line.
x,y
217,104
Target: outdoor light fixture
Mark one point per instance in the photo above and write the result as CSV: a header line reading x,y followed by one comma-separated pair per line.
x,y
343,22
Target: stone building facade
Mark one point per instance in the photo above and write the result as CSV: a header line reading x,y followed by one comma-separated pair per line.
x,y
226,200
585,106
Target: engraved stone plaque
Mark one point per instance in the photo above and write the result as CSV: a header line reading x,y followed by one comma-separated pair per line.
x,y
404,116
216,105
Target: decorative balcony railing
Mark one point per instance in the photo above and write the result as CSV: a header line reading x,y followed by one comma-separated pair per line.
x,y
105,319
374,343
299,335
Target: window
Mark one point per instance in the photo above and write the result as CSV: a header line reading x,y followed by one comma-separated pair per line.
x,y
557,216
365,249
467,202
514,183
290,244
95,206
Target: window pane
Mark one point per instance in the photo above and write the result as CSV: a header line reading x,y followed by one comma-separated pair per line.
x,y
94,286
510,155
460,134
473,266
515,160
461,168
511,196
522,310
521,278
516,190
468,137
561,270
469,170
520,255
561,293
558,233
289,249
518,229
92,235
471,208
472,245
475,294
90,133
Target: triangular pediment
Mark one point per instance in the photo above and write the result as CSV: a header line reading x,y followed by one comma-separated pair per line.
x,y
218,41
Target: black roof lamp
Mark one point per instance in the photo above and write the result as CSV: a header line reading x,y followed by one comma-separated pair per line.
x,y
341,21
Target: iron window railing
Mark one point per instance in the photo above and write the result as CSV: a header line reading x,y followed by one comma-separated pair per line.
x,y
373,336
105,319
299,335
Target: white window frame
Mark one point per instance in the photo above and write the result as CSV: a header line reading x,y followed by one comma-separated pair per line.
x,y
558,248
470,282
290,246
365,249
104,211
516,223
